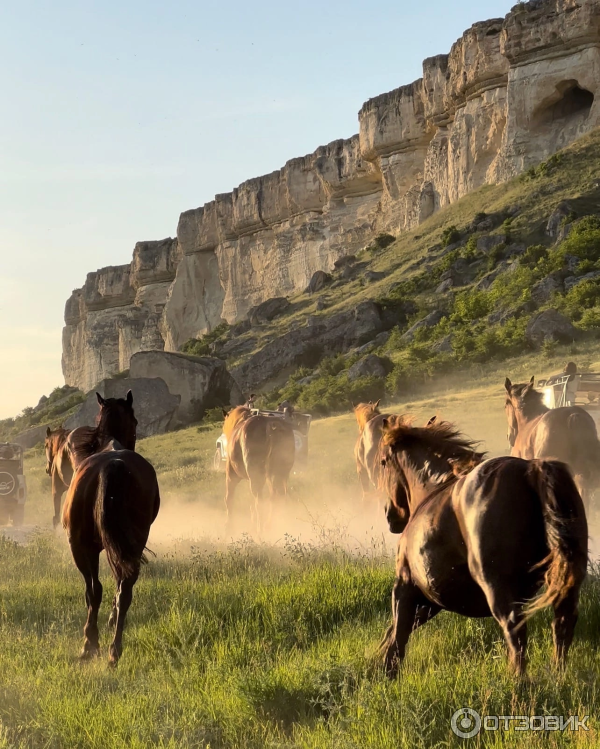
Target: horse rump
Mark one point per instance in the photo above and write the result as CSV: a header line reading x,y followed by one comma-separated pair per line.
x,y
121,518
566,532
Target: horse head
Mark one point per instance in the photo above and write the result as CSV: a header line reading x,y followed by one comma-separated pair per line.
x,y
52,444
522,403
116,420
364,412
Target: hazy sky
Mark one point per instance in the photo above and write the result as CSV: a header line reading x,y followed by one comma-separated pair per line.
x,y
118,116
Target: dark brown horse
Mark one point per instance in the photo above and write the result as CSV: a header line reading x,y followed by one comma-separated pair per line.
x,y
112,501
115,420
481,544
58,466
262,450
567,434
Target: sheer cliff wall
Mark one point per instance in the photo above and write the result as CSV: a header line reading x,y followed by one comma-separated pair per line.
x,y
510,93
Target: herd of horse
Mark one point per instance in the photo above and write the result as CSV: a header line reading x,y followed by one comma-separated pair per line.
x,y
502,537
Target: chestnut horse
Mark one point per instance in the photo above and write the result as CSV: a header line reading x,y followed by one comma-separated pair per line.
x,y
367,451
480,544
115,420
261,449
112,501
58,466
567,434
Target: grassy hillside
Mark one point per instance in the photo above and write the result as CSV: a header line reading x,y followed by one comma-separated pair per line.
x,y
247,644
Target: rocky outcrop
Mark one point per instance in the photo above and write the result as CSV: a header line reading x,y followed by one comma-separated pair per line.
x,y
510,93
155,407
198,382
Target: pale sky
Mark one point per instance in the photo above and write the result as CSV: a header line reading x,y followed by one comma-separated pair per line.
x,y
119,116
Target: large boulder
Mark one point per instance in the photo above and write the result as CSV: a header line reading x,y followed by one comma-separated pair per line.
x,y
155,407
201,382
318,281
370,366
268,310
549,325
562,213
544,290
31,437
429,321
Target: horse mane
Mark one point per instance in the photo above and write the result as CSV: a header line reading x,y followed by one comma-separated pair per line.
x,y
364,412
440,440
57,438
233,418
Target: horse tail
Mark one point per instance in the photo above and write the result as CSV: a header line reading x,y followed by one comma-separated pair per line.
x,y
281,452
566,532
119,535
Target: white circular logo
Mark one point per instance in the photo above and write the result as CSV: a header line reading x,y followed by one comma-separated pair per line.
x,y
7,484
466,723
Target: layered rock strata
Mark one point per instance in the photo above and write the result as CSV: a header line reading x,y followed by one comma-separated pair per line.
x,y
510,93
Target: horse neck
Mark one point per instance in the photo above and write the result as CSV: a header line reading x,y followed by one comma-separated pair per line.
x,y
421,483
529,413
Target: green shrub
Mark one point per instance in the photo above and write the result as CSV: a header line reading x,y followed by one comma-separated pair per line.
x,y
450,235
201,346
533,254
586,295
382,241
471,305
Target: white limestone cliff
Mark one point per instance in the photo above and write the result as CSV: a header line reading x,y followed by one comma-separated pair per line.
x,y
510,93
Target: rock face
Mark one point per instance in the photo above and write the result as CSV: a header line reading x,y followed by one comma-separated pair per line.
x,y
510,93
550,325
198,382
155,407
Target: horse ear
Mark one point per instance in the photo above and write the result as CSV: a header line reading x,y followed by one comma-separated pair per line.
x,y
376,405
48,431
532,381
431,421
101,400
129,398
507,385
225,413
385,424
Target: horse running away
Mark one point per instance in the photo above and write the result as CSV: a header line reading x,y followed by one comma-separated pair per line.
x,y
115,420
58,466
260,449
568,434
480,544
112,501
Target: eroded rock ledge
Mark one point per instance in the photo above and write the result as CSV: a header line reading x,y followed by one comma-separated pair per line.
x,y
511,92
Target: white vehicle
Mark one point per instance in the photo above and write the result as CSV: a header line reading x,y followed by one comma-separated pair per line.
x,y
13,488
301,425
573,390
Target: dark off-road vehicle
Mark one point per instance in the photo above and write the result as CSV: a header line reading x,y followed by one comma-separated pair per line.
x,y
13,489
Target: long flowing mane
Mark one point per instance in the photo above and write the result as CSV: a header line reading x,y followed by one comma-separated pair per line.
x,y
439,450
364,412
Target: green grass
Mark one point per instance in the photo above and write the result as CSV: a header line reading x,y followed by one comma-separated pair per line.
x,y
247,644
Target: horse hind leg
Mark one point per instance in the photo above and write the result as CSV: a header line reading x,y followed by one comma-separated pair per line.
x,y
123,600
510,617
58,489
88,563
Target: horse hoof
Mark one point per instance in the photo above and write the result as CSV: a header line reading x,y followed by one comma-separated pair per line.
x,y
88,652
113,656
